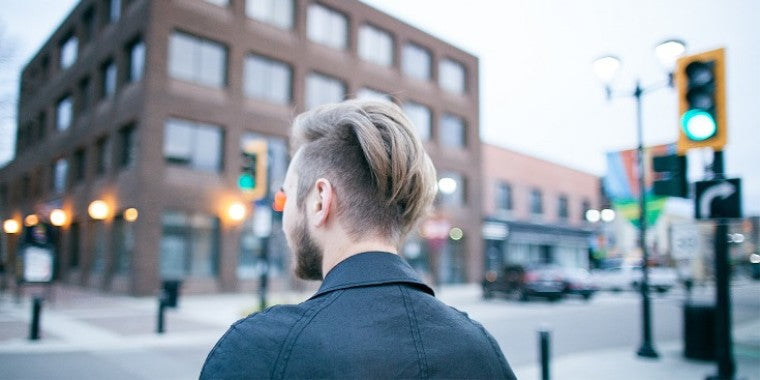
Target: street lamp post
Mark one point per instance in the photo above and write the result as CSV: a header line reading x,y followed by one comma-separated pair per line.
x,y
606,67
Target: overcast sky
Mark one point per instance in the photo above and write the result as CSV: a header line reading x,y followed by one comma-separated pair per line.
x,y
539,94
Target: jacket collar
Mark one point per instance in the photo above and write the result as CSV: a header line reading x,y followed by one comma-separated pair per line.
x,y
370,268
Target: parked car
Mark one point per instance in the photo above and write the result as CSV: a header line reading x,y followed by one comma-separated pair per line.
x,y
521,283
627,276
578,282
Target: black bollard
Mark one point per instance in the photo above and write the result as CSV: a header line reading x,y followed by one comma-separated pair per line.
x,y
161,307
543,337
34,329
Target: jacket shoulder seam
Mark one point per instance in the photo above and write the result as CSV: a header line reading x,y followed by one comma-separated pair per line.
x,y
414,327
281,363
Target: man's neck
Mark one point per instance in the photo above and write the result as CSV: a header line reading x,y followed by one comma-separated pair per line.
x,y
343,249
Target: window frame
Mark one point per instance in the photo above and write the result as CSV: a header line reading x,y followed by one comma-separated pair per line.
x,y
425,134
445,66
190,160
270,65
194,73
327,26
322,79
373,35
536,202
408,68
68,51
64,109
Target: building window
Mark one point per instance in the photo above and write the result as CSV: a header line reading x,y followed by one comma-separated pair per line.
x,y
322,89
585,206
124,243
99,248
366,93
452,193
453,132
194,145
84,95
108,79
74,245
128,146
60,170
536,203
189,245
68,52
63,114
102,155
114,10
197,60
562,208
451,76
503,196
267,79
327,26
420,117
80,165
375,45
274,12
415,61
45,68
136,64
88,20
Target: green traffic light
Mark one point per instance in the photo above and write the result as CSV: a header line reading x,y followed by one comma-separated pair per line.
x,y
698,125
246,181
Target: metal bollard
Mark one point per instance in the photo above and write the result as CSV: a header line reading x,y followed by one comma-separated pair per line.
x,y
161,307
544,343
34,328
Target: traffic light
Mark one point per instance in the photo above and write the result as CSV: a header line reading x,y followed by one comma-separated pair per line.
x,y
700,80
253,171
672,171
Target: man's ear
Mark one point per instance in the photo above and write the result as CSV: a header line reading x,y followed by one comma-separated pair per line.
x,y
325,196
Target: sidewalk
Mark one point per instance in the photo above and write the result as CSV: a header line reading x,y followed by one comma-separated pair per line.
x,y
78,319
84,320
622,363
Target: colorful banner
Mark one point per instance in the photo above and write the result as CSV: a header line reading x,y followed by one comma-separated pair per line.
x,y
621,184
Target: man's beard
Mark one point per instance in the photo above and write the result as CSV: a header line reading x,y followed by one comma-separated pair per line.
x,y
308,254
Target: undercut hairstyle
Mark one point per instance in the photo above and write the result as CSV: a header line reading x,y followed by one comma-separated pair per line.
x,y
383,179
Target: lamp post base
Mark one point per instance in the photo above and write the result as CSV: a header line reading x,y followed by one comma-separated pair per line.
x,y
647,351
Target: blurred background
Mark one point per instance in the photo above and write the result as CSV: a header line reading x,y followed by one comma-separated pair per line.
x,y
142,143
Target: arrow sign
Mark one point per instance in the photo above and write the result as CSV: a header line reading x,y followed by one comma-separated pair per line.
x,y
718,199
723,190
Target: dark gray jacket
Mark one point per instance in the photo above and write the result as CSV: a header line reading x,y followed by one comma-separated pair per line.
x,y
371,318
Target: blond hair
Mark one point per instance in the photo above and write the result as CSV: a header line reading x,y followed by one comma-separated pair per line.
x,y
384,179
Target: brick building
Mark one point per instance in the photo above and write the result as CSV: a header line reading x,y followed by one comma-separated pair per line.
x,y
534,210
146,105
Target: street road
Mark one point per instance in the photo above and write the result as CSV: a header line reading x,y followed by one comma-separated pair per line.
x,y
609,320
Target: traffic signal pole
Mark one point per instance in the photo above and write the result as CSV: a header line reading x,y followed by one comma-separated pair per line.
x,y
723,333
647,348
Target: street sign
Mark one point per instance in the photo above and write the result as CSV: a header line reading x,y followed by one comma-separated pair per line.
x,y
685,241
718,199
38,264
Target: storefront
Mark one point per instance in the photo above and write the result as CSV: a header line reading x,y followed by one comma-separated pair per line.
x,y
525,243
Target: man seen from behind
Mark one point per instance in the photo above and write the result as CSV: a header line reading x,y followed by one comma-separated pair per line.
x,y
358,182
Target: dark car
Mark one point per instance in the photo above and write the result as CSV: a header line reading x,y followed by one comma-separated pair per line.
x,y
521,283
